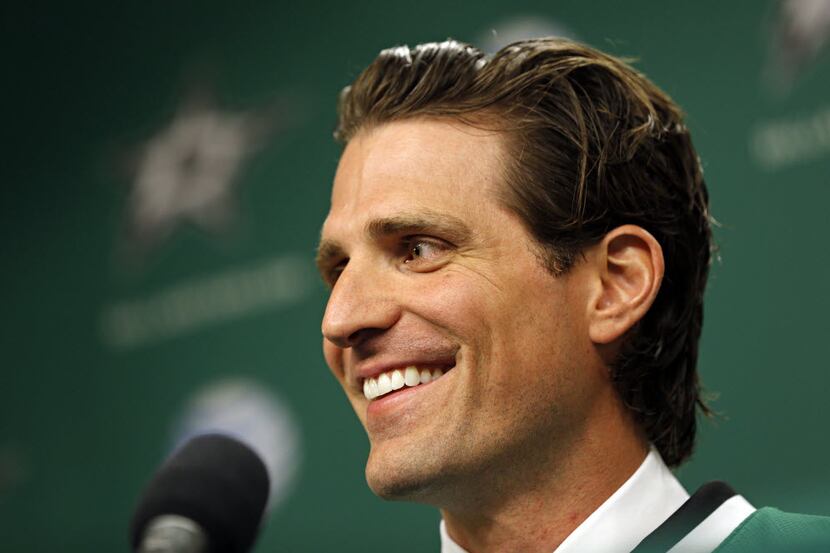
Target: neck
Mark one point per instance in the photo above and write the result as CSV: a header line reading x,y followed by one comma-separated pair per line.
x,y
534,509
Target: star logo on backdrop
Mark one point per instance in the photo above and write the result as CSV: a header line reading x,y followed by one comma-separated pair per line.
x,y
185,174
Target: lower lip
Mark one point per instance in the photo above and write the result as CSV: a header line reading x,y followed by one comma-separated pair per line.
x,y
385,405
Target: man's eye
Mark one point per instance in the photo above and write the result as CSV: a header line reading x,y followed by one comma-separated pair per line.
x,y
424,251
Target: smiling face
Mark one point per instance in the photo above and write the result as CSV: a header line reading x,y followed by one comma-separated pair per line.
x,y
433,277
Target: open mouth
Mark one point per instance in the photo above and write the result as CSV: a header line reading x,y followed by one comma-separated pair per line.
x,y
387,382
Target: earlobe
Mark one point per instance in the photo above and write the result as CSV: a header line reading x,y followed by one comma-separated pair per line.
x,y
629,269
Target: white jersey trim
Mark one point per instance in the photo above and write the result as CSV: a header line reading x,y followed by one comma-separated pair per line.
x,y
715,528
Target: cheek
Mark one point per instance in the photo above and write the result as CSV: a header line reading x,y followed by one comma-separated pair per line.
x,y
455,303
527,330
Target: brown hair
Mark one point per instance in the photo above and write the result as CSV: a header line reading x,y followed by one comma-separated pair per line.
x,y
593,145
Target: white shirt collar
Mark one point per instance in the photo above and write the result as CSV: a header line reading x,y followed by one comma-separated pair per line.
x,y
632,512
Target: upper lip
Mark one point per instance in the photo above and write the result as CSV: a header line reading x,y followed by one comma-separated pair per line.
x,y
373,368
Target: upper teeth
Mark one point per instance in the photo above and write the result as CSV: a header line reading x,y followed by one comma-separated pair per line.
x,y
395,380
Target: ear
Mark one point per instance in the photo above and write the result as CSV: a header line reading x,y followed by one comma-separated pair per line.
x,y
629,264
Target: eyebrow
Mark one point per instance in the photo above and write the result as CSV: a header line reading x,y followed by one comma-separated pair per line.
x,y
446,226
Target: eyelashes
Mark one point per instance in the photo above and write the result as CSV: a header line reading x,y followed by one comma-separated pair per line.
x,y
418,253
425,251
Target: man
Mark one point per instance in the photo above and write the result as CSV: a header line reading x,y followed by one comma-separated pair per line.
x,y
517,250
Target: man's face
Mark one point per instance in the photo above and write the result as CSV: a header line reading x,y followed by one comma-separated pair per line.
x,y
431,274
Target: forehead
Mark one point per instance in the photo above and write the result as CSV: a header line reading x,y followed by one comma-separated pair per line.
x,y
405,166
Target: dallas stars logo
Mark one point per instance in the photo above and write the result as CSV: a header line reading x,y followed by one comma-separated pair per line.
x,y
186,172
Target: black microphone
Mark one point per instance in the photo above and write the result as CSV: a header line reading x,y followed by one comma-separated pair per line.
x,y
208,497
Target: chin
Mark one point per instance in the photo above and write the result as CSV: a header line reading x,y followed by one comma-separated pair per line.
x,y
393,485
402,481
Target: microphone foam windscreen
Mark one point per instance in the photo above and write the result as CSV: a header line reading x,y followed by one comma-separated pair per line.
x,y
215,481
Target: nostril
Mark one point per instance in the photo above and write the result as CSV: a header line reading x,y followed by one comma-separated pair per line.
x,y
363,335
344,340
338,340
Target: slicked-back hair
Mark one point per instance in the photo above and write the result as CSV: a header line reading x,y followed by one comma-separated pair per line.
x,y
592,144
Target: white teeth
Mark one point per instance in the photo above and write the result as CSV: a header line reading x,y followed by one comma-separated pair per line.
x,y
397,379
384,384
411,377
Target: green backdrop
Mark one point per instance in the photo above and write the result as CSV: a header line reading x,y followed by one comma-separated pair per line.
x,y
120,303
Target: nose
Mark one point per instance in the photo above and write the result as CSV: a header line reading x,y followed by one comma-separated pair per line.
x,y
360,306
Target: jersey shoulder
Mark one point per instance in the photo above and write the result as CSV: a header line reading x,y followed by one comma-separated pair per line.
x,y
771,530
